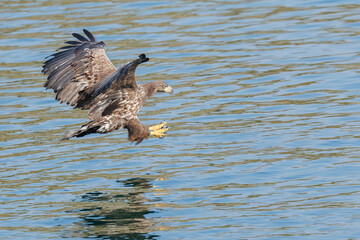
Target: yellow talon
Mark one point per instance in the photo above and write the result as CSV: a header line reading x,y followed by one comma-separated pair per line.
x,y
158,130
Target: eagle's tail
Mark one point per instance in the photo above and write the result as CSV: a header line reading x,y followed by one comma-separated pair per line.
x,y
101,125
90,127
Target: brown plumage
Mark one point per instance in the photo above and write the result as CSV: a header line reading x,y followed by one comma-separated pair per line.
x,y
82,76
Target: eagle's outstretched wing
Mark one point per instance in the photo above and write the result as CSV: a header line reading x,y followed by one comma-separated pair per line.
x,y
81,64
112,86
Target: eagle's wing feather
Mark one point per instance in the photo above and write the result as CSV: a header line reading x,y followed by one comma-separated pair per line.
x,y
80,65
124,78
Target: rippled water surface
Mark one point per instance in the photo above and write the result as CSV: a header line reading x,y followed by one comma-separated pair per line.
x,y
264,123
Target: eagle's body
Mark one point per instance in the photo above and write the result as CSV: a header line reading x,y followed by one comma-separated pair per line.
x,y
84,77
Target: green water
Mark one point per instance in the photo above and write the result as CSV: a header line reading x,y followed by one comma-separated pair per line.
x,y
263,138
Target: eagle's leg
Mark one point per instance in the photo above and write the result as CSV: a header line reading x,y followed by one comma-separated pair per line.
x,y
158,130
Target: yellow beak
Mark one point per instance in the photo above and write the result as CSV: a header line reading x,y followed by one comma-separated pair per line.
x,y
168,89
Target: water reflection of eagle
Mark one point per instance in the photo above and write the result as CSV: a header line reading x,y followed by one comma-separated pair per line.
x,y
84,77
124,213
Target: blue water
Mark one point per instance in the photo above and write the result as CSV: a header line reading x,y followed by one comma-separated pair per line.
x,y
263,136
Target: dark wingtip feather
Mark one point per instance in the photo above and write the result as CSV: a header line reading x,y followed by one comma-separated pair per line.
x,y
66,47
89,35
73,42
80,37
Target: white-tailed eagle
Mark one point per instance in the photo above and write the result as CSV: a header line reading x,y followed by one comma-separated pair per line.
x,y
82,76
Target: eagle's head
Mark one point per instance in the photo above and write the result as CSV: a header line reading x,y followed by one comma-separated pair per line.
x,y
161,86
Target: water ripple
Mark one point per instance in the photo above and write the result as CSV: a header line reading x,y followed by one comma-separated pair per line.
x,y
263,136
